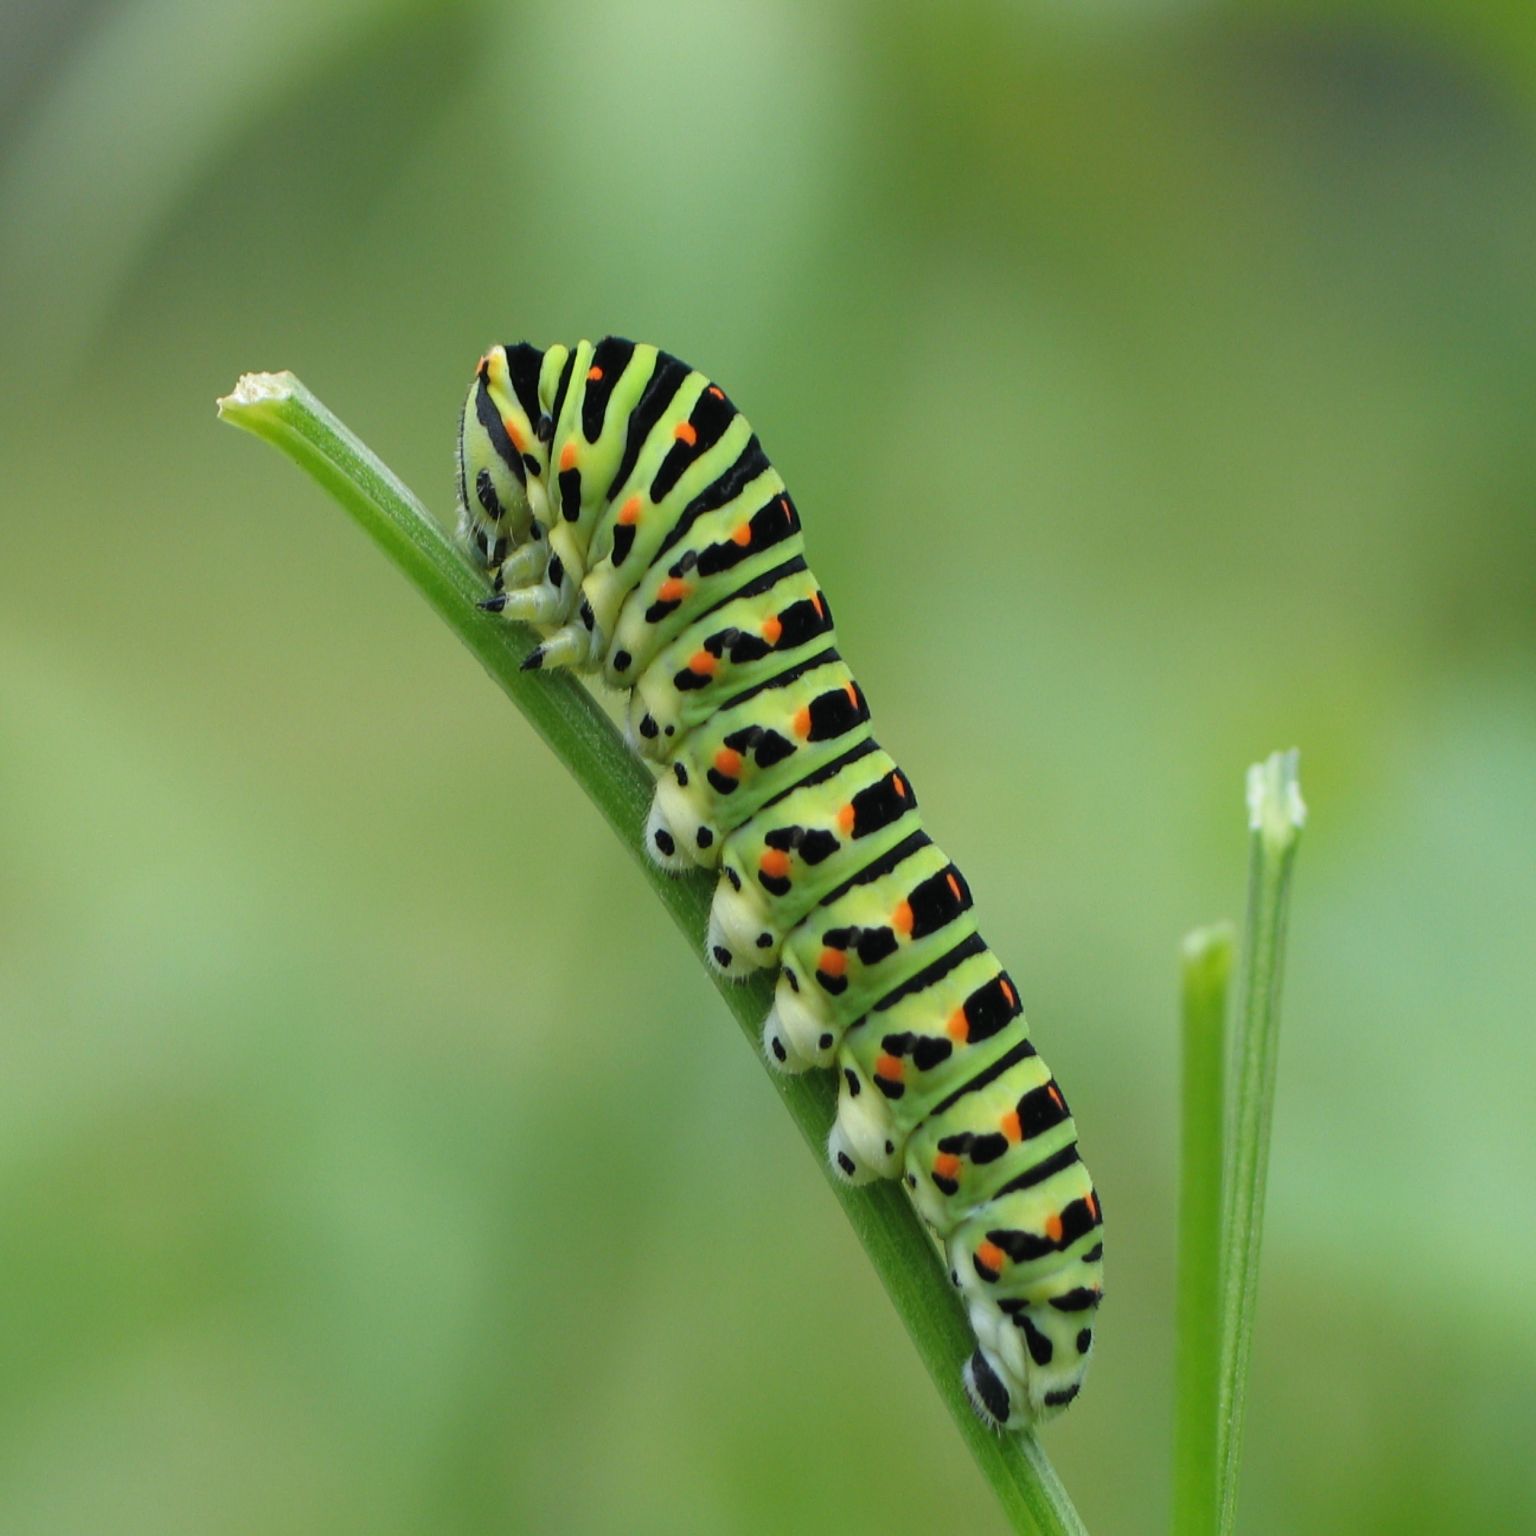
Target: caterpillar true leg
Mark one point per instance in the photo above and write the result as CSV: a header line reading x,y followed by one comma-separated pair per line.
x,y
628,510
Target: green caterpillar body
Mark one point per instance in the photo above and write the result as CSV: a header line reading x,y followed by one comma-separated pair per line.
x,y
626,508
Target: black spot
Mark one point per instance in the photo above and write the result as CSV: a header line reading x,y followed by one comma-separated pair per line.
x,y
889,1148
1063,1397
485,493
587,617
954,1279
621,661
845,1163
777,1047
545,428
670,730
765,941
555,572
1079,1299
1040,1348
734,878
792,979
680,773
991,1391
825,1043
852,1079
1094,1254
648,727
913,1184
704,837
1084,1340
722,955
665,843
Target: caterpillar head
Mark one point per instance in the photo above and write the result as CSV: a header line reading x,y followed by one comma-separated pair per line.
x,y
503,453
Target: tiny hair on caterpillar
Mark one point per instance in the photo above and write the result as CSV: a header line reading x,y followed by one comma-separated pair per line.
x,y
624,507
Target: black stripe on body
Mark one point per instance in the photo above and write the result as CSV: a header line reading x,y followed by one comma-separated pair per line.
x,y
750,463
485,494
769,525
1041,1171
569,481
782,679
524,364
825,772
971,944
564,385
1021,1052
882,866
758,585
612,356
711,415
658,394
496,430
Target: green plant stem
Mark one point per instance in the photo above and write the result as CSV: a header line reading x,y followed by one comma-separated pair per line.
x,y
1207,970
279,409
1276,815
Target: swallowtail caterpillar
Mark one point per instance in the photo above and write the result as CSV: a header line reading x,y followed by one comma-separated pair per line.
x,y
625,508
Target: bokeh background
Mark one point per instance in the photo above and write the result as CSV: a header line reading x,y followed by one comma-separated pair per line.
x,y
1157,379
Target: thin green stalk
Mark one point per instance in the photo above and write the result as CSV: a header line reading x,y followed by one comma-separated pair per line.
x,y
1276,815
1207,969
278,408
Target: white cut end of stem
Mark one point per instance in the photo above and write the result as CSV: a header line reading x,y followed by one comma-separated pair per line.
x,y
258,389
1275,807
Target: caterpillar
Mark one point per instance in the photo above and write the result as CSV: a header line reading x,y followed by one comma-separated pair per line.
x,y
622,505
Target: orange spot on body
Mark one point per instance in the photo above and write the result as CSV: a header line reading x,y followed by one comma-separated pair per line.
x,y
990,1256
772,628
959,1027
685,432
629,513
1091,1200
594,373
774,863
703,663
946,1165
1011,1127
789,515
891,1068
899,784
568,456
851,689
1008,992
1056,1097
832,962
901,918
672,590
717,392
742,534
515,433
818,605
1053,1228
802,723
728,762
845,817
954,886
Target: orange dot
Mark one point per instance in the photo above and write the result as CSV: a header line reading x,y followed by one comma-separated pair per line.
x,y
629,513
672,590
685,432
1053,1228
802,723
774,863
818,605
742,534
728,762
1056,1098
702,663
717,392
990,1256
789,516
954,886
515,433
946,1165
899,784
594,373
901,919
1008,992
568,456
832,962
891,1068
845,817
771,630
959,1027
853,694
1091,1200
1011,1127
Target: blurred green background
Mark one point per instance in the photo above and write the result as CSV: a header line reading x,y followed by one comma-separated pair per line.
x,y
1157,381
